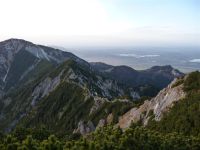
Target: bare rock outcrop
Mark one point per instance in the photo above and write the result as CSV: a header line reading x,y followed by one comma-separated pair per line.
x,y
110,118
84,128
44,88
156,106
102,123
106,121
98,102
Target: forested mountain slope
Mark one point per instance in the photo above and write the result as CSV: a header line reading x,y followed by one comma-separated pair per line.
x,y
69,94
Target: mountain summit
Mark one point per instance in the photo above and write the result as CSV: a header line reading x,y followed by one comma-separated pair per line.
x,y
20,59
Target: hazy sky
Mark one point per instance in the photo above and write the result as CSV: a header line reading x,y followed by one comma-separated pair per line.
x,y
102,22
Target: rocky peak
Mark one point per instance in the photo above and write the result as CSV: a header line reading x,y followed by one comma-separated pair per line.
x,y
14,45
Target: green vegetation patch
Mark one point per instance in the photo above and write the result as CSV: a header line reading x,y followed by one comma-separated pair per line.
x,y
107,138
61,110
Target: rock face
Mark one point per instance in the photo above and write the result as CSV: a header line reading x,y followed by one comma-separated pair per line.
x,y
106,121
98,102
84,128
102,123
155,107
44,88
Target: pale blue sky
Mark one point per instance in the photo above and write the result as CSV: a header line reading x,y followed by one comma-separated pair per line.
x,y
180,13
102,22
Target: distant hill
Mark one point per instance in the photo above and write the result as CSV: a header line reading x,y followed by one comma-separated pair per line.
x,y
155,78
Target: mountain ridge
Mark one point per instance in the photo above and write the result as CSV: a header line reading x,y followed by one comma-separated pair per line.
x,y
64,88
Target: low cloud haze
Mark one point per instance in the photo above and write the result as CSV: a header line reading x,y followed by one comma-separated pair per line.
x,y
195,60
137,56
